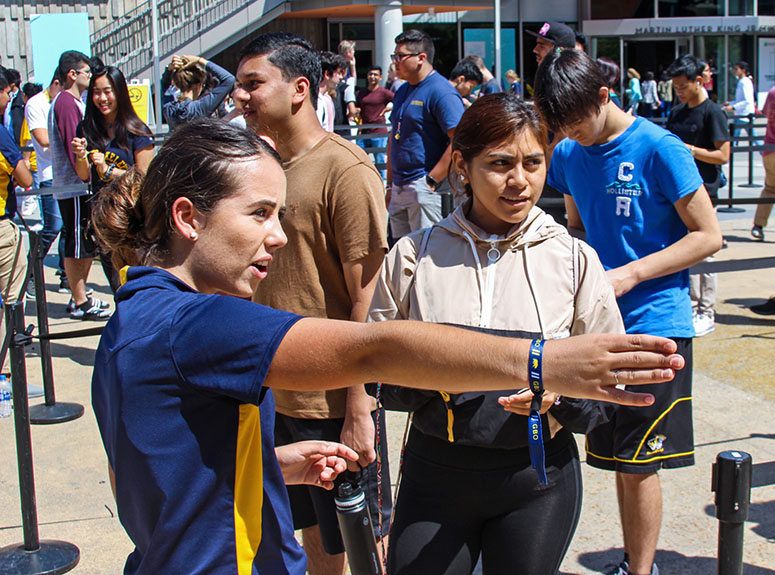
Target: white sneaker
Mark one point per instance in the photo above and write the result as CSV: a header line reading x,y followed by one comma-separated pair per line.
x,y
704,323
29,205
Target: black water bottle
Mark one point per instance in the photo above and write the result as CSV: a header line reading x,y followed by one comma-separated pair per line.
x,y
357,531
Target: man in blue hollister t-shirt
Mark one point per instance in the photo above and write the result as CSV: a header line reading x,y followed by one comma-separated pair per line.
x,y
635,189
426,111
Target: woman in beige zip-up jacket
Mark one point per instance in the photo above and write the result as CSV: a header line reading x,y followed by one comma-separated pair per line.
x,y
498,264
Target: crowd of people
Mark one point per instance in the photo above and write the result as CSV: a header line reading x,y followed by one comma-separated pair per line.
x,y
259,260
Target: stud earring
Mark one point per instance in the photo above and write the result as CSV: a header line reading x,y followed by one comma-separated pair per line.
x,y
462,177
193,235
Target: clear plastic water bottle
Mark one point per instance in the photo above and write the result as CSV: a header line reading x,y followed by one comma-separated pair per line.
x,y
5,397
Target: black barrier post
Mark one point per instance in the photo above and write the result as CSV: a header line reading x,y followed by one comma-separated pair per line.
x,y
33,557
751,144
50,411
447,204
732,485
730,209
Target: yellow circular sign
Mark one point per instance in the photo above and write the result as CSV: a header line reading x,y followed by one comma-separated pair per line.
x,y
135,94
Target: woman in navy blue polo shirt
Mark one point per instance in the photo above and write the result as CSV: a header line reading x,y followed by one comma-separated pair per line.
x,y
181,373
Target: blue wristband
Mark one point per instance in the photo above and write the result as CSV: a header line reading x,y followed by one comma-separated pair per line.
x,y
534,429
535,367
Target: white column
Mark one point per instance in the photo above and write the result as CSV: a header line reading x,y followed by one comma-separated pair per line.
x,y
498,70
156,73
388,23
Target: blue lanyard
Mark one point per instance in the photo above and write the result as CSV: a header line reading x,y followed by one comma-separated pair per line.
x,y
534,432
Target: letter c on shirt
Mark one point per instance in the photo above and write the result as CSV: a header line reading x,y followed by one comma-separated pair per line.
x,y
624,171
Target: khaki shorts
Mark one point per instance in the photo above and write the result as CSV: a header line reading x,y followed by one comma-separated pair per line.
x,y
13,262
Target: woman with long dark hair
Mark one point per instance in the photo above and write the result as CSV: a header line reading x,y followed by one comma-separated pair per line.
x,y
497,264
110,139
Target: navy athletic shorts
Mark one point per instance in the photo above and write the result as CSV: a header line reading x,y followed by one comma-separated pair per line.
x,y
646,439
76,220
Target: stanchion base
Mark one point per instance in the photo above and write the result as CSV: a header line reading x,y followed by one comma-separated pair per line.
x,y
52,558
730,210
58,413
749,186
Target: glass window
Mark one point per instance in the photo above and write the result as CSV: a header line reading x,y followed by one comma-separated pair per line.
x,y
741,7
481,41
350,31
358,31
333,33
445,43
741,48
614,9
609,48
711,49
679,8
649,56
766,7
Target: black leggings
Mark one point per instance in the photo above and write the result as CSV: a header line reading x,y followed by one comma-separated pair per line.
x,y
456,502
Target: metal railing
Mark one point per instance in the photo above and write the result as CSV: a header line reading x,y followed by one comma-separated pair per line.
x,y
126,42
355,133
747,143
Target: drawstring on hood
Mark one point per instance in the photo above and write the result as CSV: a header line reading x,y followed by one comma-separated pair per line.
x,y
537,227
522,284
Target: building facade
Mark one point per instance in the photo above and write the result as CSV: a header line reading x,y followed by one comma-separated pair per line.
x,y
643,34
16,48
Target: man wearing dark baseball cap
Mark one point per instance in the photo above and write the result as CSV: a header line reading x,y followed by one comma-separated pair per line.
x,y
550,36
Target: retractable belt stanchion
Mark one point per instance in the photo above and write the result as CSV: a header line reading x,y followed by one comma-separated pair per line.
x,y
50,411
33,557
751,144
447,204
730,208
732,485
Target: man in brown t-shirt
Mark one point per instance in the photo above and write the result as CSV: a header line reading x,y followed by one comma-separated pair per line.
x,y
336,226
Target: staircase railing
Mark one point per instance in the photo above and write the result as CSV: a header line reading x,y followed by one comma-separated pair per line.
x,y
126,42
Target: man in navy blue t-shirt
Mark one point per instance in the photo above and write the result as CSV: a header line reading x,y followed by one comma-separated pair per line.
x,y
426,111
